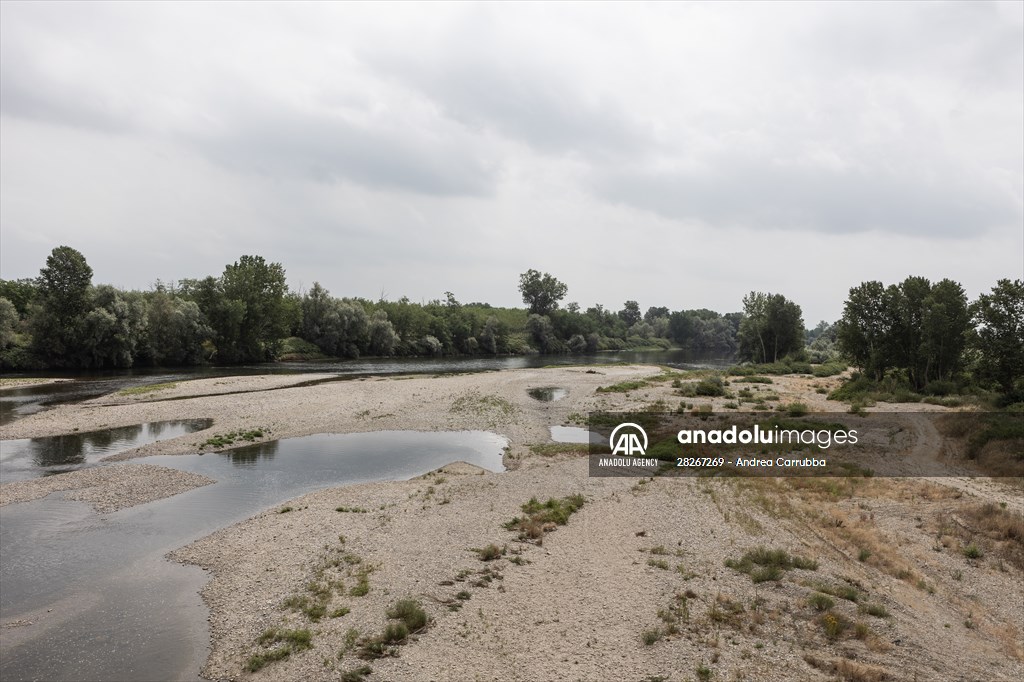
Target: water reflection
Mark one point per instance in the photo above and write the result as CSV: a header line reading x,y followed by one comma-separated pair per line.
x,y
19,402
32,457
251,454
117,609
548,394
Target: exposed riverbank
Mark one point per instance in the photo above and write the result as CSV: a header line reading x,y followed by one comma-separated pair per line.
x,y
634,586
107,488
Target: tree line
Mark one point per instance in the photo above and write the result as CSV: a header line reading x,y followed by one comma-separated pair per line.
x,y
924,334
248,314
928,337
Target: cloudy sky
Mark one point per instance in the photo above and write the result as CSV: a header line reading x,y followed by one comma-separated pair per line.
x,y
676,154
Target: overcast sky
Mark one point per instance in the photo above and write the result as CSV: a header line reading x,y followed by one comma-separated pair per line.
x,y
676,154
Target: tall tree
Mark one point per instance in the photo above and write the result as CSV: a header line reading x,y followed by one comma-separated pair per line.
x,y
945,326
260,288
863,330
772,327
63,291
1000,338
630,313
541,293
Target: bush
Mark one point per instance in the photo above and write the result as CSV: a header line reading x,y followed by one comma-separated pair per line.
x,y
830,369
820,602
795,409
973,552
712,387
410,613
650,636
763,564
395,633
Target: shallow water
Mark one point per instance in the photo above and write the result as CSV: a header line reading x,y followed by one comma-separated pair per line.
x,y
548,394
122,611
19,402
574,434
33,457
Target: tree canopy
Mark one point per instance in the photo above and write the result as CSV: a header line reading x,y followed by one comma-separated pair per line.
x,y
541,293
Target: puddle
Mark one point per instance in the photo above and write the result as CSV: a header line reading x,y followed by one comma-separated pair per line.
x,y
574,434
33,457
105,602
548,394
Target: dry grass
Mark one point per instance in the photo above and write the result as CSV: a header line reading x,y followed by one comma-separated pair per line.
x,y
847,670
1003,528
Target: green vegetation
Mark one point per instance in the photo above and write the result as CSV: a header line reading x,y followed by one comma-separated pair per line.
x,y
226,439
772,327
356,674
290,641
820,602
407,618
763,564
650,636
550,449
921,341
876,610
555,512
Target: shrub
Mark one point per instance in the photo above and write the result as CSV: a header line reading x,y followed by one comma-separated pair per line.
x,y
356,674
410,612
796,409
834,625
876,610
711,386
490,552
820,602
395,632
972,551
764,564
650,636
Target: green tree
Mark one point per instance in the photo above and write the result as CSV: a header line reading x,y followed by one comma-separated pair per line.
x,y
337,327
382,335
772,327
8,323
20,292
945,326
177,333
863,331
260,287
541,293
630,313
63,294
999,317
113,330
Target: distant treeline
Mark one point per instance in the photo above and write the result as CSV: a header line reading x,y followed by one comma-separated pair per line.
x,y
919,332
247,314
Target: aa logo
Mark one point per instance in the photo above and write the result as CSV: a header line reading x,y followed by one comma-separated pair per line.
x,y
628,441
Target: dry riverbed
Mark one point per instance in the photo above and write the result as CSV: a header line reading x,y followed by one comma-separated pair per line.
x,y
867,579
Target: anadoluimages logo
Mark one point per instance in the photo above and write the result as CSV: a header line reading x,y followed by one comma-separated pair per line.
x,y
628,442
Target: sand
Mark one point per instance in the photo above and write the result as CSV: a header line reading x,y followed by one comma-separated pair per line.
x,y
575,607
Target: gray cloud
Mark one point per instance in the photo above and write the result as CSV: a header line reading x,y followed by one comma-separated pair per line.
x,y
780,197
439,147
